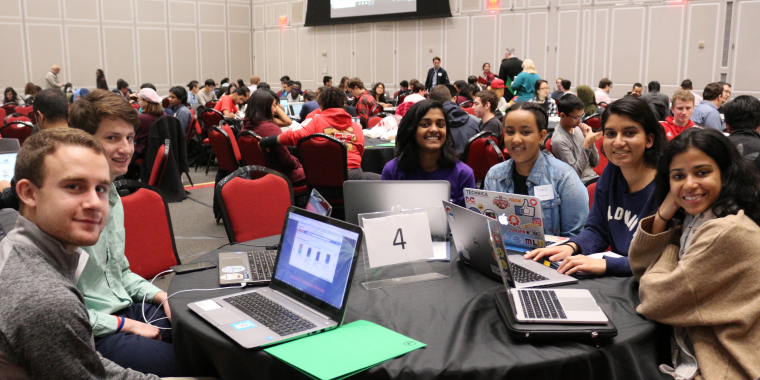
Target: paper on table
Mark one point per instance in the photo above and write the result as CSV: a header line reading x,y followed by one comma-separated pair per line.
x,y
600,255
383,239
346,350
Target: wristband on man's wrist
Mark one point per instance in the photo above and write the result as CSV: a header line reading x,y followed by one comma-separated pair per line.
x,y
121,321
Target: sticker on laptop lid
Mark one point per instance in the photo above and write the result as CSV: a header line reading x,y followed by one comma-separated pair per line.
x,y
233,269
208,305
244,325
232,276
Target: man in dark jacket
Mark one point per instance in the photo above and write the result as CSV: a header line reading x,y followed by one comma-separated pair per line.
x,y
510,67
659,103
463,125
742,122
436,75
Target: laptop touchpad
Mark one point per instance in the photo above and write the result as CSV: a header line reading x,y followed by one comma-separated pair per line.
x,y
579,304
223,316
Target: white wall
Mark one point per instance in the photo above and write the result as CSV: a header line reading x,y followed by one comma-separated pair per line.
x,y
157,41
170,42
581,40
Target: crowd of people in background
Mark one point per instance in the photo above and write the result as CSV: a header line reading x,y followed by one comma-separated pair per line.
x,y
678,202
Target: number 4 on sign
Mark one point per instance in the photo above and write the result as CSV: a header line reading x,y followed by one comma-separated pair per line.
x,y
402,243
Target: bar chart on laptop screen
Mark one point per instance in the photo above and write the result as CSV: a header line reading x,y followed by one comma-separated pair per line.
x,y
352,8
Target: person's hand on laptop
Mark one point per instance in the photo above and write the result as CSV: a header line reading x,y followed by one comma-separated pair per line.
x,y
141,329
555,253
582,263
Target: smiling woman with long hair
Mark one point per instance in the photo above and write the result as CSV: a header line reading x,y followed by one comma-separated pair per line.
x,y
425,151
633,142
695,257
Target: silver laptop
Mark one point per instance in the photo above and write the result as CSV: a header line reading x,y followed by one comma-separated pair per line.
x,y
471,238
544,305
295,109
362,197
8,151
317,204
522,216
250,267
308,293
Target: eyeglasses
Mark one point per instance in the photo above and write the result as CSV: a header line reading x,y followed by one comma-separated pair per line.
x,y
572,117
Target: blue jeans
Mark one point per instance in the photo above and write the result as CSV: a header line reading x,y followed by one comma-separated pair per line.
x,y
139,353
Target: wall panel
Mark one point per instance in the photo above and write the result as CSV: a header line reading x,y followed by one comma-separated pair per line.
x,y
117,11
307,70
627,45
483,48
663,54
407,51
457,37
211,14
151,11
384,54
239,15
79,10
213,54
14,72
184,44
325,54
43,9
120,51
10,8
258,16
568,44
83,51
289,53
46,45
343,50
153,57
260,59
511,33
431,41
240,55
747,51
363,53
537,35
702,25
273,57
182,13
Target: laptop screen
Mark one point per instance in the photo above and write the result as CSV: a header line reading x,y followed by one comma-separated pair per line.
x,y
284,103
7,165
296,109
317,204
316,258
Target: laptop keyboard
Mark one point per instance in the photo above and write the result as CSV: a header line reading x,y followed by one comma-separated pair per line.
x,y
541,304
523,275
262,263
270,314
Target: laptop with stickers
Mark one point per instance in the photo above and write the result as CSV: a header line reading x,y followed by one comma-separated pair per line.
x,y
472,239
317,204
309,290
543,305
520,214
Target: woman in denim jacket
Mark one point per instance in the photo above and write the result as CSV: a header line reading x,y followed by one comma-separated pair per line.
x,y
564,199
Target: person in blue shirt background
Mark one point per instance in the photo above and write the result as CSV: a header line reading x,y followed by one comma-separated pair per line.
x,y
633,142
564,199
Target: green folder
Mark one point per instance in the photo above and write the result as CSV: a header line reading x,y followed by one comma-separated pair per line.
x,y
345,351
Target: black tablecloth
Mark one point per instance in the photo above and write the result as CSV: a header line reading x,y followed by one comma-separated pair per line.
x,y
455,317
375,158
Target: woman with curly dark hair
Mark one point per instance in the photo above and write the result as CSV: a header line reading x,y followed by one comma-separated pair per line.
x,y
425,151
694,258
100,79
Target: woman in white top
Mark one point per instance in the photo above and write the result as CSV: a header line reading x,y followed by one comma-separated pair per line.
x,y
10,96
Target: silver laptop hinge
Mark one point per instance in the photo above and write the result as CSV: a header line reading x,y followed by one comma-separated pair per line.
x,y
299,303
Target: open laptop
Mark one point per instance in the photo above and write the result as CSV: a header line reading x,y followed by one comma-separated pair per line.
x,y
295,109
363,197
284,104
471,238
521,214
8,152
543,305
317,204
309,289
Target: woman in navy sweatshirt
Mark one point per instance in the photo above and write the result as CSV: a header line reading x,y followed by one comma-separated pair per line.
x,y
633,142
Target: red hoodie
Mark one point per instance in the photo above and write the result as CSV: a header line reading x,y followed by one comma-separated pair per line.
x,y
672,130
335,122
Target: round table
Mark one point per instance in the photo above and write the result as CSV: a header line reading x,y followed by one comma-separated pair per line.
x,y
375,157
455,317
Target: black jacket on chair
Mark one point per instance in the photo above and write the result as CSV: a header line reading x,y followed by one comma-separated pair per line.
x,y
443,78
167,127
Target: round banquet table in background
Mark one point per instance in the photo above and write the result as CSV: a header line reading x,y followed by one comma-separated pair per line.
x,y
375,157
455,317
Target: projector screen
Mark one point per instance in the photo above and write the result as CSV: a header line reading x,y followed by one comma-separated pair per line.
x,y
330,12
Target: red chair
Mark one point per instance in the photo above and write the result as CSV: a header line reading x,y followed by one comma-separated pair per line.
x,y
159,165
248,143
165,102
16,117
400,100
208,119
245,215
602,157
325,164
548,145
9,108
373,121
225,148
16,130
480,154
211,104
466,104
2,114
27,111
149,237
591,189
594,121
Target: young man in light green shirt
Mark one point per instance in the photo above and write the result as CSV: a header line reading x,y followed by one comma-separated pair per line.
x,y
113,294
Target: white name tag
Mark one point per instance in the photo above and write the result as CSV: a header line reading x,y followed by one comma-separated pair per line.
x,y
440,74
544,193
